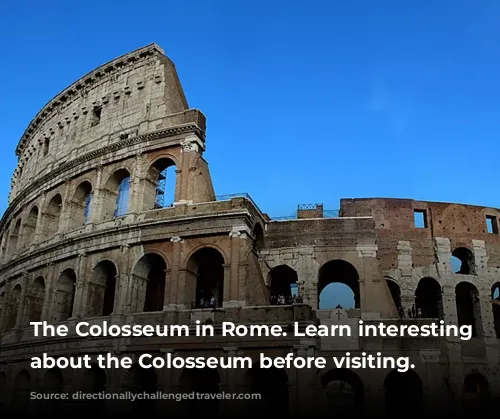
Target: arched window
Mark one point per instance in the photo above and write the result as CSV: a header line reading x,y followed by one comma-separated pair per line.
x,y
123,197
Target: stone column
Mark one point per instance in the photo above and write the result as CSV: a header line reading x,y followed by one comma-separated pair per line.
x,y
175,287
480,257
81,285
22,303
443,253
368,254
237,235
191,147
97,198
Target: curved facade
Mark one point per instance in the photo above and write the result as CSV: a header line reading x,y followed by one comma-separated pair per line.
x,y
113,216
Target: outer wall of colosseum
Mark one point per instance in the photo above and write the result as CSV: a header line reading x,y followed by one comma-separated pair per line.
x,y
87,237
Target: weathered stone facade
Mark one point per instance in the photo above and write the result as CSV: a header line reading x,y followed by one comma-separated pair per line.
x,y
74,245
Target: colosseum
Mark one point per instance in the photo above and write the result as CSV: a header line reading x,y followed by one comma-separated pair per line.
x,y
89,234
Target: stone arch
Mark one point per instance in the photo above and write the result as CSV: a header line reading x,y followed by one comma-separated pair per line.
x,y
205,278
21,392
149,276
205,380
102,289
495,301
160,183
469,307
428,299
29,229
34,300
13,309
116,194
258,237
395,292
14,237
272,385
338,272
52,216
465,261
403,393
64,296
476,393
81,204
283,284
344,391
52,383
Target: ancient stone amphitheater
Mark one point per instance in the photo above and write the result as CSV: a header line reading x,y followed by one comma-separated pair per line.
x,y
89,234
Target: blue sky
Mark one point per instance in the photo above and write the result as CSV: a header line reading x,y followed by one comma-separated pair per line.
x,y
306,102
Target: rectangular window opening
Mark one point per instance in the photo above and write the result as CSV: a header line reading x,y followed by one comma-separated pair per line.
x,y
420,218
491,224
46,147
96,116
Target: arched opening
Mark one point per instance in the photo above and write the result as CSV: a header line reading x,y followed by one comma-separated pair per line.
x,y
272,385
403,393
205,278
344,391
102,289
468,307
476,393
52,216
14,237
283,287
64,297
462,261
160,184
203,381
21,393
495,301
116,194
141,381
258,234
428,299
395,291
30,226
14,304
93,381
34,300
81,205
149,278
338,285
3,394
52,383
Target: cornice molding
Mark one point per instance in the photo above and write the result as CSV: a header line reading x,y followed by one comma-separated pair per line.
x,y
84,83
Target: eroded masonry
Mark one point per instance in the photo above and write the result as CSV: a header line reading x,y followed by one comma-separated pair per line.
x,y
90,234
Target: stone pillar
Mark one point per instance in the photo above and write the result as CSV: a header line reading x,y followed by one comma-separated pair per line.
x,y
368,255
237,235
39,222
191,147
65,218
442,248
6,307
81,285
137,185
307,271
480,257
97,198
175,287
485,316
22,303
449,305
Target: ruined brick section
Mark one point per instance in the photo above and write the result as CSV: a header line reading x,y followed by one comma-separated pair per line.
x,y
86,236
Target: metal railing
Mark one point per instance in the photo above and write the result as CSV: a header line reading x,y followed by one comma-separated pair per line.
x,y
326,214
